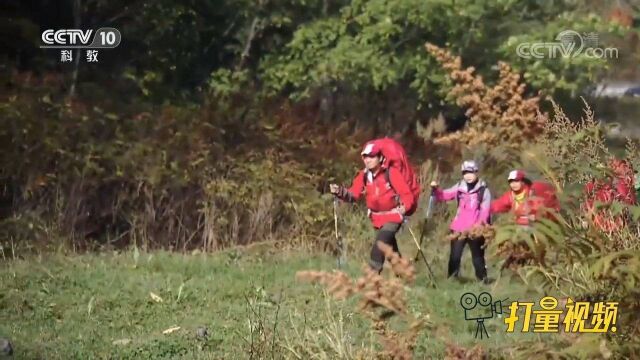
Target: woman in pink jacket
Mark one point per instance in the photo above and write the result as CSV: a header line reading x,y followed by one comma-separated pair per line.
x,y
474,206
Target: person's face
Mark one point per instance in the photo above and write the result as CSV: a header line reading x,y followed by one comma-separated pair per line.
x,y
470,177
372,162
515,185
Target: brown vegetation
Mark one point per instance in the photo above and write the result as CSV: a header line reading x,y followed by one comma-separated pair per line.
x,y
380,299
500,115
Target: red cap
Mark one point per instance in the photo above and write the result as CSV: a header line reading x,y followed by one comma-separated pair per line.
x,y
517,175
370,149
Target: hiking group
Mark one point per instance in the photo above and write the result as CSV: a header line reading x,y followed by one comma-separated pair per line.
x,y
391,190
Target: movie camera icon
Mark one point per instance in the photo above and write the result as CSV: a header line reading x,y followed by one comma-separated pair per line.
x,y
480,308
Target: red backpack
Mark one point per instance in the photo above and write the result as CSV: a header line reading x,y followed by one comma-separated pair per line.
x,y
396,157
546,193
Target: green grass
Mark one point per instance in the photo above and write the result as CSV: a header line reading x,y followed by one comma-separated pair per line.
x,y
76,307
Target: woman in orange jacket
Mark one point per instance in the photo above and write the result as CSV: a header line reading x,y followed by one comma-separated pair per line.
x,y
525,198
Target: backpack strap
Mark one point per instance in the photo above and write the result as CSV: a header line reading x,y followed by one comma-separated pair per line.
x,y
480,195
387,177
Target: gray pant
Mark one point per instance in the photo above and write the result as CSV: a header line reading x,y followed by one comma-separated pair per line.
x,y
387,235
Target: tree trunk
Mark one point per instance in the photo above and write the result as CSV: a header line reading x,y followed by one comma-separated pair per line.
x,y
77,15
253,31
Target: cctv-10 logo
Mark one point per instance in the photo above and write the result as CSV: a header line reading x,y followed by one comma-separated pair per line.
x,y
106,38
575,316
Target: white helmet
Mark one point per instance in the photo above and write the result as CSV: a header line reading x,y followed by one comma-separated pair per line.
x,y
469,166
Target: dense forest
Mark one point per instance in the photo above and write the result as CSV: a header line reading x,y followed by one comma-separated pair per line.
x,y
198,89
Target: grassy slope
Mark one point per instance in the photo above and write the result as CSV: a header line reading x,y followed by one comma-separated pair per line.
x,y
77,306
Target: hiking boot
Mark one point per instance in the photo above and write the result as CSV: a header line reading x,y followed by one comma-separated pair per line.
x,y
487,281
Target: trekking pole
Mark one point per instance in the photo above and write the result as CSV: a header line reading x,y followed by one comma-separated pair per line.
x,y
433,278
423,230
429,213
341,257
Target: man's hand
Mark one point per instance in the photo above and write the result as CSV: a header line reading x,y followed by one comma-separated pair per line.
x,y
401,210
434,184
338,191
532,217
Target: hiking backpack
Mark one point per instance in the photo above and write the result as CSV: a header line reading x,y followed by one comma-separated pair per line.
x,y
547,192
395,156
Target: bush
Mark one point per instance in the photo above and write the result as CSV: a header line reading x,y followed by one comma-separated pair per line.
x,y
178,176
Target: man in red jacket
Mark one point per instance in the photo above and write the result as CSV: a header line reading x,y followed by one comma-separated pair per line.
x,y
525,199
387,194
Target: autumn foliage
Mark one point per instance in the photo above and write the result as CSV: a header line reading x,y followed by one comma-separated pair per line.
x,y
503,114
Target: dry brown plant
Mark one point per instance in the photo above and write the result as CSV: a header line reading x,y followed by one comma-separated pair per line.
x,y
455,352
568,144
380,300
519,254
500,115
487,232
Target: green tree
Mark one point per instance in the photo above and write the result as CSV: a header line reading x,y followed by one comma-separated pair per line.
x,y
379,45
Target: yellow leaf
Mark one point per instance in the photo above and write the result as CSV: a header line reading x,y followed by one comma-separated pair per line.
x,y
155,297
171,329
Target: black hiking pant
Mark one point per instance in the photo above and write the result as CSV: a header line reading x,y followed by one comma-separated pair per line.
x,y
477,256
387,235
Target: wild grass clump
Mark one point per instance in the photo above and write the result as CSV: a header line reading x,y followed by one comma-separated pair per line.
x,y
380,300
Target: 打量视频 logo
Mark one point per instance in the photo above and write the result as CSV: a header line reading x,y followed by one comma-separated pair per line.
x,y
480,308
550,316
